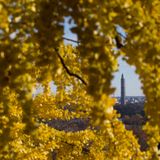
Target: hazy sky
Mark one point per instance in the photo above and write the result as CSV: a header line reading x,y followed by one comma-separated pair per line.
x,y
133,85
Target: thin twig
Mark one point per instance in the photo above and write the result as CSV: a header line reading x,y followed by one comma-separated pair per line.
x,y
68,39
68,71
122,35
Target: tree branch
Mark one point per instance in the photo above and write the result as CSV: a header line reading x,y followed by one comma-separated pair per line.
x,y
68,39
122,35
68,71
118,42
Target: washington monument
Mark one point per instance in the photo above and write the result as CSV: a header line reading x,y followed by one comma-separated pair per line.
x,y
122,90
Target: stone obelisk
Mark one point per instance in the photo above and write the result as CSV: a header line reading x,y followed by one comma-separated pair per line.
x,y
122,90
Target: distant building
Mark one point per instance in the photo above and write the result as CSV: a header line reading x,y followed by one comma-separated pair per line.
x,y
122,90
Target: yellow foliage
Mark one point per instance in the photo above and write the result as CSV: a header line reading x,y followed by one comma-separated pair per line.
x,y
32,52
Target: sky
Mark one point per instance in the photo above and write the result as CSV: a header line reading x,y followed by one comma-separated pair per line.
x,y
132,82
133,85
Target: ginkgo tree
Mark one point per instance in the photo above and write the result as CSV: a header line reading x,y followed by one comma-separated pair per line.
x,y
32,52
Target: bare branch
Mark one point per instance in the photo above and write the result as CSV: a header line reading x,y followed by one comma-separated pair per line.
x,y
68,71
68,39
122,35
118,42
